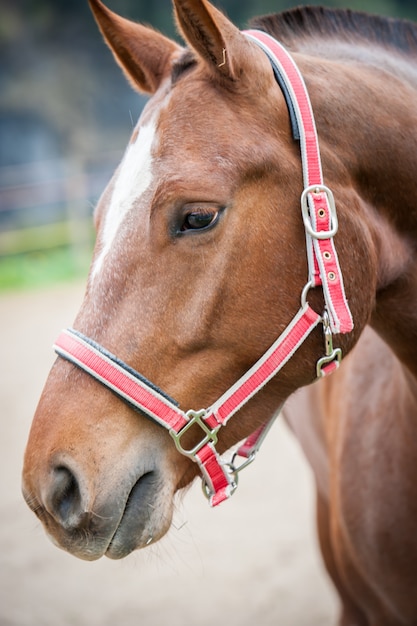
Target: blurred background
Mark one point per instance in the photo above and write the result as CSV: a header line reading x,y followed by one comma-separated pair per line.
x,y
66,114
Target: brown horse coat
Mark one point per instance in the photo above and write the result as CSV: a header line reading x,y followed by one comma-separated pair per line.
x,y
199,265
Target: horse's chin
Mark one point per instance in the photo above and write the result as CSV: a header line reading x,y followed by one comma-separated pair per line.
x,y
146,518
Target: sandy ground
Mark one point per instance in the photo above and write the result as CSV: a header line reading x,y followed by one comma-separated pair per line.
x,y
254,560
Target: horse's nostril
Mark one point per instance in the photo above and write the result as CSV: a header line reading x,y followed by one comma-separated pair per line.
x,y
65,497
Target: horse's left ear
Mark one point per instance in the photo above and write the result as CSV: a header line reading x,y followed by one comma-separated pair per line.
x,y
144,55
215,38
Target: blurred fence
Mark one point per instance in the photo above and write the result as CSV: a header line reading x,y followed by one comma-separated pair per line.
x,y
49,205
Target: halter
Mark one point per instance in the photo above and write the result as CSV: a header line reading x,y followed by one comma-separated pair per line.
x,y
320,221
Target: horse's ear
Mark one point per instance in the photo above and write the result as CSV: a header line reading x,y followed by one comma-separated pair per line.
x,y
212,36
143,54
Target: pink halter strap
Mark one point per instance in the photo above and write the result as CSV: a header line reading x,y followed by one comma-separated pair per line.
x,y
320,221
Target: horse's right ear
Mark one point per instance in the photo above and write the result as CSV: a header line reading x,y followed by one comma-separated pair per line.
x,y
143,54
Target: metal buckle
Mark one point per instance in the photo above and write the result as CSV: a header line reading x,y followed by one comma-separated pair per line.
x,y
195,417
331,354
209,493
322,234
233,471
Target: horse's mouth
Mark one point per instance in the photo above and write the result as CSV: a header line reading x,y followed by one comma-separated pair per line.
x,y
126,506
145,518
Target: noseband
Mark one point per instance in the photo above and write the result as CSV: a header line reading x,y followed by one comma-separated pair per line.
x,y
320,221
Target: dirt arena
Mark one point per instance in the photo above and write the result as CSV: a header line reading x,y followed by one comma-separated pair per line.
x,y
253,560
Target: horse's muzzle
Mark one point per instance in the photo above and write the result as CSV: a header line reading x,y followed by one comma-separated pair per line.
x,y
90,523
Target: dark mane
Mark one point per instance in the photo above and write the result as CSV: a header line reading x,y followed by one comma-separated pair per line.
x,y
296,25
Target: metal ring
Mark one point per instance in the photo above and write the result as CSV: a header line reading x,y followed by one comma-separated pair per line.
x,y
304,293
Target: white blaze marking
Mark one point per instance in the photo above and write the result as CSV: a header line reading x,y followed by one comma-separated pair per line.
x,y
134,178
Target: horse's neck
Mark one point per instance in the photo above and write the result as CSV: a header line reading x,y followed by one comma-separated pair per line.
x,y
388,188
373,129
395,317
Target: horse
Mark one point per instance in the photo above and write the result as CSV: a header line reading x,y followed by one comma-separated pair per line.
x,y
201,257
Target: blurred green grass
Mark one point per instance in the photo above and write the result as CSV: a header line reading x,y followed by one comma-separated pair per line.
x,y
41,268
41,255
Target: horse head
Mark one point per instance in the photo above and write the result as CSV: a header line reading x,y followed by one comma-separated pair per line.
x,y
198,266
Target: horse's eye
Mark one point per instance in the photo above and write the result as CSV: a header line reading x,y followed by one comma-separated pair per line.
x,y
199,220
